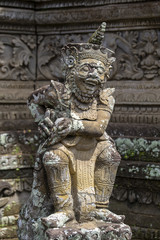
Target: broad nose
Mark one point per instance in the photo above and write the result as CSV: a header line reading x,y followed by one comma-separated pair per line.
x,y
93,73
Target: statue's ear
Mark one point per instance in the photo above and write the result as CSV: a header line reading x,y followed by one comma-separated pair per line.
x,y
110,67
69,56
70,61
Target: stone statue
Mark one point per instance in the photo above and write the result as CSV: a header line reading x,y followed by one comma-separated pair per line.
x,y
77,161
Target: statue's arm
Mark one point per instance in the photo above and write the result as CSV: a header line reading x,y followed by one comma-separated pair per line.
x,y
42,104
37,103
35,108
93,128
96,128
43,98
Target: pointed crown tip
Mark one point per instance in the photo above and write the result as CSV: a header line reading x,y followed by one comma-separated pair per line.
x,y
98,35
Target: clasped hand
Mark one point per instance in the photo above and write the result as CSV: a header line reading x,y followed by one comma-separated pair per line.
x,y
61,126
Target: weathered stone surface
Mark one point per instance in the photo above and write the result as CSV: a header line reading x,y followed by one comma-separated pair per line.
x,y
90,231
15,178
17,59
76,162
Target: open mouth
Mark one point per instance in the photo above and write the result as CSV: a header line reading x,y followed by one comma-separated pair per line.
x,y
92,82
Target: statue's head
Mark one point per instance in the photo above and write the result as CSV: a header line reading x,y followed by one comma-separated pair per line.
x,y
87,65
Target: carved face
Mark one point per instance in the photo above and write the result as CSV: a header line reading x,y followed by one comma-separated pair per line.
x,y
148,51
89,75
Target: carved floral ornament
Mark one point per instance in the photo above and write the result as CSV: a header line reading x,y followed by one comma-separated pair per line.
x,y
136,195
137,54
49,55
17,57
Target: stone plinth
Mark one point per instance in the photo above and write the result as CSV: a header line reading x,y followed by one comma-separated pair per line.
x,y
97,230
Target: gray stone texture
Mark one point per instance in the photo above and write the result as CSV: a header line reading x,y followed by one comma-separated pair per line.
x,y
31,36
91,231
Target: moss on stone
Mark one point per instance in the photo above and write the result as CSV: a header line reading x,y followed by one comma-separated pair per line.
x,y
140,148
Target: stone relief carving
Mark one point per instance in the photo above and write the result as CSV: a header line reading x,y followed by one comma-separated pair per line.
x,y
11,15
139,116
142,163
5,189
145,195
16,4
17,57
113,12
127,62
11,186
57,4
49,55
145,233
150,131
16,161
137,85
15,16
16,173
23,142
148,50
137,54
138,97
138,195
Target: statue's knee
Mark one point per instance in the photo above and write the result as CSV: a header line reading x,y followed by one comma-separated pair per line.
x,y
55,158
109,154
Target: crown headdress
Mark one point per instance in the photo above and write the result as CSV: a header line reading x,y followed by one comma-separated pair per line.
x,y
73,52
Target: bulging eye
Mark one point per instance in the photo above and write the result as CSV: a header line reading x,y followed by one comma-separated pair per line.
x,y
85,69
100,70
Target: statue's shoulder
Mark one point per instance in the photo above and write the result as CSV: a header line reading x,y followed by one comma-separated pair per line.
x,y
48,92
56,86
38,92
106,97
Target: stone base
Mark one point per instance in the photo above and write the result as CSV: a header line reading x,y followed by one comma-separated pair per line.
x,y
95,230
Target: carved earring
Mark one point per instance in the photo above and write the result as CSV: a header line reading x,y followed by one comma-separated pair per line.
x,y
70,61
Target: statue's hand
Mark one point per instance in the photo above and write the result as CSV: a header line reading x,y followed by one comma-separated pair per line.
x,y
45,127
63,126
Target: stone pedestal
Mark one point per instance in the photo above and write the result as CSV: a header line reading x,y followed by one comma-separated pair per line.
x,y
97,230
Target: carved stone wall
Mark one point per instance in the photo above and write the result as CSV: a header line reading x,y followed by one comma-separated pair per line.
x,y
31,36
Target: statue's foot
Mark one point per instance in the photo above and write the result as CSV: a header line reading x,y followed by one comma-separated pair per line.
x,y
107,216
57,220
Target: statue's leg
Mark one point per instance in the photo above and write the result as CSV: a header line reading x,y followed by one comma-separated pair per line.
x,y
56,164
83,180
105,173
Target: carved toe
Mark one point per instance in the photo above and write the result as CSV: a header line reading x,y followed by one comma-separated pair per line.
x,y
58,219
107,216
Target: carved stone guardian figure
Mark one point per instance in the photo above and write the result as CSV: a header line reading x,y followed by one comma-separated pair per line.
x,y
77,161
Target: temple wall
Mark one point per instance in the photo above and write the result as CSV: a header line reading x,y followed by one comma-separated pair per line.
x,y
31,36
